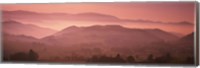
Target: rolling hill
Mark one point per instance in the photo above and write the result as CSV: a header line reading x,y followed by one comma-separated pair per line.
x,y
108,35
17,28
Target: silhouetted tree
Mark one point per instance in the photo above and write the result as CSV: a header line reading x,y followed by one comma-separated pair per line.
x,y
150,58
19,57
33,56
130,59
168,56
164,59
118,56
106,59
119,59
189,60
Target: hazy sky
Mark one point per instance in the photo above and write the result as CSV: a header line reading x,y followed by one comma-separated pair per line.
x,y
165,12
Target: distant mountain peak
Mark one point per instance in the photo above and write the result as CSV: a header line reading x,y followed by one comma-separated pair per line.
x,y
185,23
73,26
192,33
114,26
156,29
96,14
70,27
18,28
189,37
94,26
107,27
20,12
91,13
11,22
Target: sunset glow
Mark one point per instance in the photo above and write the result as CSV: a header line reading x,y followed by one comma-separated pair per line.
x,y
142,32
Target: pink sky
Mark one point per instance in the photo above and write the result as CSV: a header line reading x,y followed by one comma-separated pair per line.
x,y
165,12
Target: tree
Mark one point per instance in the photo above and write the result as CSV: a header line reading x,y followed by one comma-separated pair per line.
x,y
20,56
119,59
164,59
168,56
33,56
150,58
130,59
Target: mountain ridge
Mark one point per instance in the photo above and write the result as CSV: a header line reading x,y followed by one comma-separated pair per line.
x,y
107,33
17,28
90,16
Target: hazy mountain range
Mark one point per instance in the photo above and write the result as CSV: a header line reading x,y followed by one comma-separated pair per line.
x,y
107,35
92,40
17,28
88,16
59,21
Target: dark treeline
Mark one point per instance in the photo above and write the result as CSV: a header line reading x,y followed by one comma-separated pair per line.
x,y
21,56
166,59
106,59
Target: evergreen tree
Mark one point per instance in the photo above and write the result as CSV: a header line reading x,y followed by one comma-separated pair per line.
x,y
130,59
33,56
118,58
